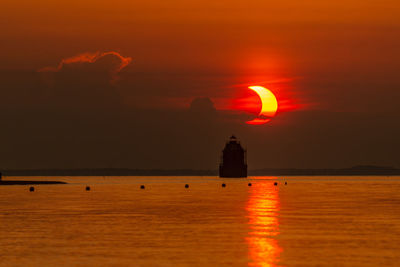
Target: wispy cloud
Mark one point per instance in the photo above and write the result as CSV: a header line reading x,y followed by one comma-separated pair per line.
x,y
90,58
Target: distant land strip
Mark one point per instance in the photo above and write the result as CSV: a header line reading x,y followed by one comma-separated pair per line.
x,y
2,182
356,170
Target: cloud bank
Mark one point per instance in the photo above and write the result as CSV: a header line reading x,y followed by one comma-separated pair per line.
x,y
85,81
95,61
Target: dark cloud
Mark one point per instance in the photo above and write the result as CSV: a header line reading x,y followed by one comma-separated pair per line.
x,y
86,81
202,106
111,62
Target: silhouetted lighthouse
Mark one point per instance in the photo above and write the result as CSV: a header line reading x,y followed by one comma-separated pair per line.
x,y
233,161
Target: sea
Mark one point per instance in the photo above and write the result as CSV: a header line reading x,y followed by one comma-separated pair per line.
x,y
258,221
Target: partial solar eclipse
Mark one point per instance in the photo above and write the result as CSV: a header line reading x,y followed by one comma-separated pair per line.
x,y
269,105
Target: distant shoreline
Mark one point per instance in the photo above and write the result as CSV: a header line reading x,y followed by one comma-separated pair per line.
x,y
353,171
29,182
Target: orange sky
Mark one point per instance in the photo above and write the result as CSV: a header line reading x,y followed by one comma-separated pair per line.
x,y
251,41
328,57
227,35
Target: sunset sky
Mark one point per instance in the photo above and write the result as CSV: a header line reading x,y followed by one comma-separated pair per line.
x,y
163,84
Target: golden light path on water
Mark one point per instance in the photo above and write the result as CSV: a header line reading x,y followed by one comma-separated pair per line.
x,y
263,207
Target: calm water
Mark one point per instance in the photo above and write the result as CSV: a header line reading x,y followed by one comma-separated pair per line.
x,y
318,221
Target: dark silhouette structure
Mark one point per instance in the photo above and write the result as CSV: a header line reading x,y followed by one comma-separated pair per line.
x,y
233,162
22,182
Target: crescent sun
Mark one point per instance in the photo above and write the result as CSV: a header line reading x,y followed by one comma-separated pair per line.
x,y
269,105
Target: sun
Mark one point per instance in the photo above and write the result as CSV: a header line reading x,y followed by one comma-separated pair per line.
x,y
269,105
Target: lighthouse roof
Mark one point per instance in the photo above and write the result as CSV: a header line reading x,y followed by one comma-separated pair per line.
x,y
233,144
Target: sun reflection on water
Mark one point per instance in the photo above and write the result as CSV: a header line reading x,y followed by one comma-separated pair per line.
x,y
263,207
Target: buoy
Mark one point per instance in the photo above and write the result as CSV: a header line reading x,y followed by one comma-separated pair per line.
x,y
87,188
31,189
285,183
249,184
276,183
142,187
223,185
186,186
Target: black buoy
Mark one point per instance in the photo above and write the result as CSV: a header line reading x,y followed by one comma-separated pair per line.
x,y
142,187
223,185
87,188
31,189
276,183
285,183
249,184
186,186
